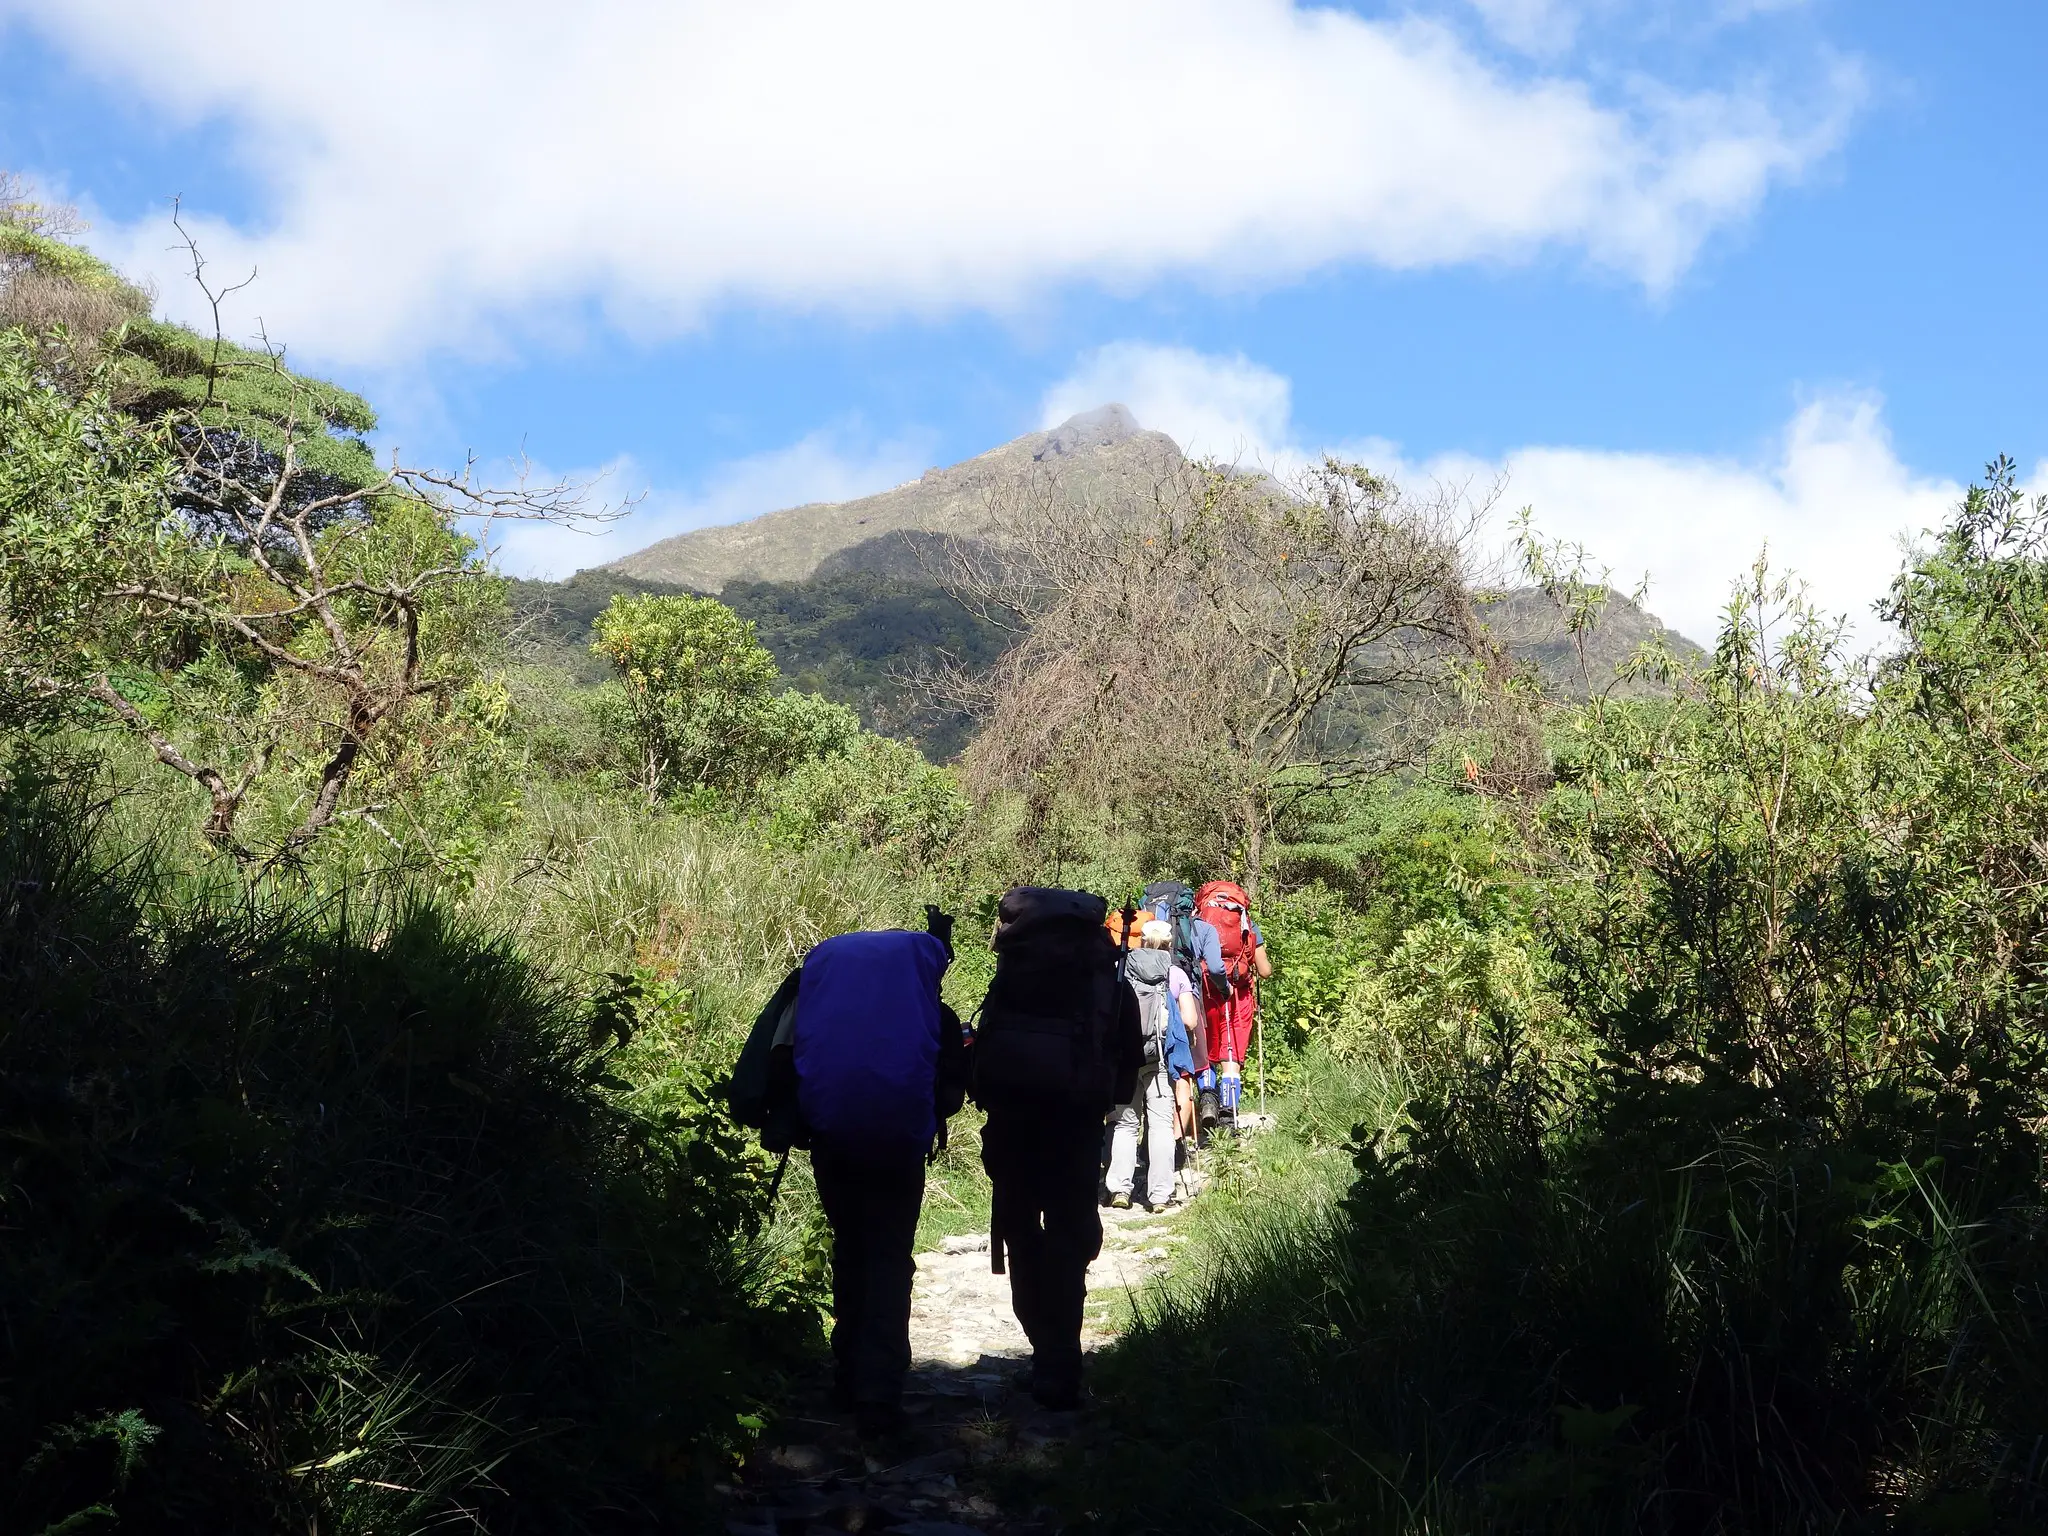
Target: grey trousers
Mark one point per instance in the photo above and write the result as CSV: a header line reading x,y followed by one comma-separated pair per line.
x,y
1153,1107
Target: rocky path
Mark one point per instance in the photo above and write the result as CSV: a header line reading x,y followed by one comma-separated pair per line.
x,y
975,1440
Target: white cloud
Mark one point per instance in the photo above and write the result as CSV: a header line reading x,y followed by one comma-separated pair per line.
x,y
1830,499
823,466
1831,502
434,174
1547,29
1541,27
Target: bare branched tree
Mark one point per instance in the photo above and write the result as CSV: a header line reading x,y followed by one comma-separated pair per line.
x,y
1229,648
321,597
336,601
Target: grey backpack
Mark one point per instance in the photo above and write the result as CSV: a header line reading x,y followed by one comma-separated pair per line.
x,y
1147,971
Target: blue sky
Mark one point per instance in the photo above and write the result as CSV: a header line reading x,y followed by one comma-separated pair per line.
x,y
1689,277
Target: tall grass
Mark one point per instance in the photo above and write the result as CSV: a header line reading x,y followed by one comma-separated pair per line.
x,y
321,1215
706,902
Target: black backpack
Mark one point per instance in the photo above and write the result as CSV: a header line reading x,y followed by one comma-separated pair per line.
x,y
1044,1041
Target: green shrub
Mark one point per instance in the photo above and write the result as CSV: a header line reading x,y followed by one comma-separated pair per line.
x,y
1446,997
696,708
875,793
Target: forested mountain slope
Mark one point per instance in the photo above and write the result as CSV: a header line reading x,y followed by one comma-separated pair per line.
x,y
855,636
846,594
852,637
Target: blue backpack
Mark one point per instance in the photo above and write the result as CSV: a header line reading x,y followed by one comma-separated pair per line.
x,y
867,1039
1175,903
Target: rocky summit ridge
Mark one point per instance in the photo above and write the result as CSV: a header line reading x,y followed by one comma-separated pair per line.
x,y
1097,456
1101,457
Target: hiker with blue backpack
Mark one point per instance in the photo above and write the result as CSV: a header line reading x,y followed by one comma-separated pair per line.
x,y
1197,950
1167,1013
858,1058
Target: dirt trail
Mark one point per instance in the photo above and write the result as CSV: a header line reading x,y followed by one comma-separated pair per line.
x,y
966,1462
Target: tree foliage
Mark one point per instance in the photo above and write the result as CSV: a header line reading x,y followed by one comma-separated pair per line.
x,y
83,498
699,704
201,552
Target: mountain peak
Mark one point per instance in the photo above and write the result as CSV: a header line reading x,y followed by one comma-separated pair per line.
x,y
1100,457
1103,427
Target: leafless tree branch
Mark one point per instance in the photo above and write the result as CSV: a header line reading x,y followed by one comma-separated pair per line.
x,y
1235,643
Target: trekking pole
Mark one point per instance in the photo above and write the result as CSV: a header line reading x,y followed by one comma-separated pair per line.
x,y
1259,1029
775,1184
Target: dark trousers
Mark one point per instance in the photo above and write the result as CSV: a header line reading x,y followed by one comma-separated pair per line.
x,y
872,1203
1043,1173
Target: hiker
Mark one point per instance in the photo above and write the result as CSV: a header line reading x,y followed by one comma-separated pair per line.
x,y
1166,1013
1058,1047
879,1064
1198,951
1232,1008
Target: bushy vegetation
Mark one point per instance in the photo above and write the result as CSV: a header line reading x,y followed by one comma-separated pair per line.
x,y
1718,1203
366,1172
1660,1065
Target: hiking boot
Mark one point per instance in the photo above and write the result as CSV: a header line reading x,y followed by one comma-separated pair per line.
x,y
1052,1397
1057,1399
879,1421
1119,1201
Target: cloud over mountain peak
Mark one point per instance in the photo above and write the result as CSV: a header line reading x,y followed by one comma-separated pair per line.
x,y
447,175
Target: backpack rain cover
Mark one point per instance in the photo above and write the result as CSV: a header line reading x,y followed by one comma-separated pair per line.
x,y
867,1039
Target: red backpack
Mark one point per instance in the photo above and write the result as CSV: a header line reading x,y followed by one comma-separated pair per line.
x,y
1224,906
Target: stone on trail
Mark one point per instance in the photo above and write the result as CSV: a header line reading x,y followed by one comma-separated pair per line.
x,y
799,1460
937,1464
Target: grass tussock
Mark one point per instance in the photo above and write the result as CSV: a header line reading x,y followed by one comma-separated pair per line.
x,y
704,904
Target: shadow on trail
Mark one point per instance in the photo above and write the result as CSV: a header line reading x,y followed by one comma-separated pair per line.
x,y
979,1453
974,1458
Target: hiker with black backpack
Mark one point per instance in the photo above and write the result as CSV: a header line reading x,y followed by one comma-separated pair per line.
x,y
1056,1048
858,1058
1166,1013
